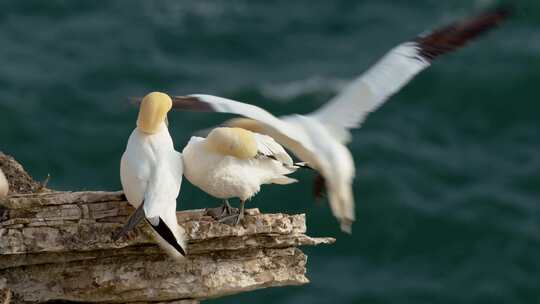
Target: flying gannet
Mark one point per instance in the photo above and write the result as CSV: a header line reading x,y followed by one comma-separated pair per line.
x,y
319,138
4,185
234,163
151,175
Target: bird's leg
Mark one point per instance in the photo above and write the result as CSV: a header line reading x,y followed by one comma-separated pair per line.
x,y
222,211
241,212
132,222
235,218
227,209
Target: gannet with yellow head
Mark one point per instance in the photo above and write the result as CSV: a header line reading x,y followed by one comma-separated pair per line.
x,y
234,163
151,175
4,185
319,138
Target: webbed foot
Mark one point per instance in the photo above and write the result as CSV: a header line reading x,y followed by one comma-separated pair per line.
x,y
222,211
235,218
232,220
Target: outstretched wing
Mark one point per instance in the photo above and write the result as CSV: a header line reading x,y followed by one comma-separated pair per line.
x,y
365,94
271,124
210,103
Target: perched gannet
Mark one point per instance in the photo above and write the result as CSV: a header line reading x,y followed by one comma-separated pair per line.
x,y
151,174
319,138
233,162
4,185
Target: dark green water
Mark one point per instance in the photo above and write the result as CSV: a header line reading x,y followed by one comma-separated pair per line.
x,y
448,181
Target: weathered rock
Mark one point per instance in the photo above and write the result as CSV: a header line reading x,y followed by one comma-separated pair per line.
x,y
58,246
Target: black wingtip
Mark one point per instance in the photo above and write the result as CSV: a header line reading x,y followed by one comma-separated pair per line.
x,y
191,103
165,232
451,37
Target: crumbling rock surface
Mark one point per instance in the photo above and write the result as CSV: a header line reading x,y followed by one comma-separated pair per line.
x,y
57,246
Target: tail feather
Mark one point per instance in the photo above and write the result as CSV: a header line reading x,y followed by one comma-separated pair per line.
x,y
173,243
342,205
341,201
346,226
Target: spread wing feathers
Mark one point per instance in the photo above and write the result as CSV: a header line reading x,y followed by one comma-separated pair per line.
x,y
268,147
160,206
210,103
365,94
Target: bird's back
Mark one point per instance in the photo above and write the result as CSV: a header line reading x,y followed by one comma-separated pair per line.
x,y
226,176
151,172
144,153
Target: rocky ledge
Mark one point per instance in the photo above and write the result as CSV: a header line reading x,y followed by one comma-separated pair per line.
x,y
57,246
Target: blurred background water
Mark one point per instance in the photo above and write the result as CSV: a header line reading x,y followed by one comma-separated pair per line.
x,y
448,181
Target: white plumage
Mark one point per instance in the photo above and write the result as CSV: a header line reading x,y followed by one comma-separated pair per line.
x,y
4,185
318,138
224,173
388,76
151,174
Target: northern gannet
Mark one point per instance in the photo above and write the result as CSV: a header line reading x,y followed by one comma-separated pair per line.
x,y
151,174
4,185
234,163
319,138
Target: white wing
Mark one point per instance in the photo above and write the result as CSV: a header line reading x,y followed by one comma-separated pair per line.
x,y
160,204
369,91
269,147
210,103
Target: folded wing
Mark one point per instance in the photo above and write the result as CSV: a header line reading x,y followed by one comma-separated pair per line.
x,y
160,205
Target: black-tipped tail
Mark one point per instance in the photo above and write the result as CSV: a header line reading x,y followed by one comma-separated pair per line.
x,y
165,232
